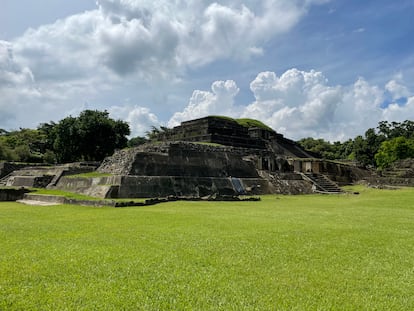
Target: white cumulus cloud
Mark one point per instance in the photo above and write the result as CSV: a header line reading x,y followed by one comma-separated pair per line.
x,y
140,119
11,72
396,112
300,104
397,89
296,102
202,103
151,38
52,68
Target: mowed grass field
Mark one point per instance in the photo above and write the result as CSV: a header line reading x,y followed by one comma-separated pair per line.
x,y
313,252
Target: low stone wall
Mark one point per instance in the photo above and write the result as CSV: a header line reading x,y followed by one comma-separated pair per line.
x,y
7,167
286,183
100,187
184,186
162,186
390,181
55,199
12,194
44,198
29,181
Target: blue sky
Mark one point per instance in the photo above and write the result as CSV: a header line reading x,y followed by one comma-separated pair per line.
x,y
320,68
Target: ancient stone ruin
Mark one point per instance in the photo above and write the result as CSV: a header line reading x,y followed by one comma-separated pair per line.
x,y
212,156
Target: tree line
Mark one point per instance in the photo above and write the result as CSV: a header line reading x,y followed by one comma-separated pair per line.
x,y
379,147
93,135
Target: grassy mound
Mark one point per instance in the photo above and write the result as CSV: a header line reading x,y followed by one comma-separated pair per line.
x,y
247,122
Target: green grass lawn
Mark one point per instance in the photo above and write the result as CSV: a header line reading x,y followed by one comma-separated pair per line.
x,y
315,252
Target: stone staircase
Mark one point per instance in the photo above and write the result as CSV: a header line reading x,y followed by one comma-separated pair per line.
x,y
322,184
3,180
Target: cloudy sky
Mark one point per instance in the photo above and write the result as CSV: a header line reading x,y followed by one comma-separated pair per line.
x,y
323,68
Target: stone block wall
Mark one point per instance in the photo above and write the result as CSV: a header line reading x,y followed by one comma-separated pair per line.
x,y
6,168
101,187
30,181
179,159
214,130
12,194
342,174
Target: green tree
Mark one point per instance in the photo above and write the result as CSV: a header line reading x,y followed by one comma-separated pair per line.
x,y
25,145
396,129
48,131
6,154
156,134
394,149
322,148
345,150
92,136
137,141
49,157
66,140
365,148
360,150
23,153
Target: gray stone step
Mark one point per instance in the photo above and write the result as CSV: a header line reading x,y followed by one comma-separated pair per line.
x,y
323,183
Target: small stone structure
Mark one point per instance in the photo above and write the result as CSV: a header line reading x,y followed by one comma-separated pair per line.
x,y
401,173
212,129
226,131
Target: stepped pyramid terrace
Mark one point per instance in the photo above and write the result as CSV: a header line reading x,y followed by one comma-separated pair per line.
x,y
211,156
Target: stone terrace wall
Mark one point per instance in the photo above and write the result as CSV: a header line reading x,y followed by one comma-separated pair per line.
x,y
215,130
6,168
343,174
181,159
12,194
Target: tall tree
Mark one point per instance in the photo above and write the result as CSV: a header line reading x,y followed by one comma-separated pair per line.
x,y
91,137
66,140
396,129
394,149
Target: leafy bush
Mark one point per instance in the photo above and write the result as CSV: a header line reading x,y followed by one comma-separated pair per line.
x,y
395,149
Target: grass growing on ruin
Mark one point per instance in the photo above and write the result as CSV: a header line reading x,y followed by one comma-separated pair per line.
x,y
246,122
253,123
93,174
209,144
67,194
345,252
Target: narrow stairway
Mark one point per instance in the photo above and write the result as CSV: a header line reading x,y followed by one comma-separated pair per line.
x,y
322,183
3,180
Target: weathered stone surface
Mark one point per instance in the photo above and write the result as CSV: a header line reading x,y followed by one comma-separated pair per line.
x,y
214,129
41,176
179,159
12,194
29,181
401,173
101,187
341,173
6,168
